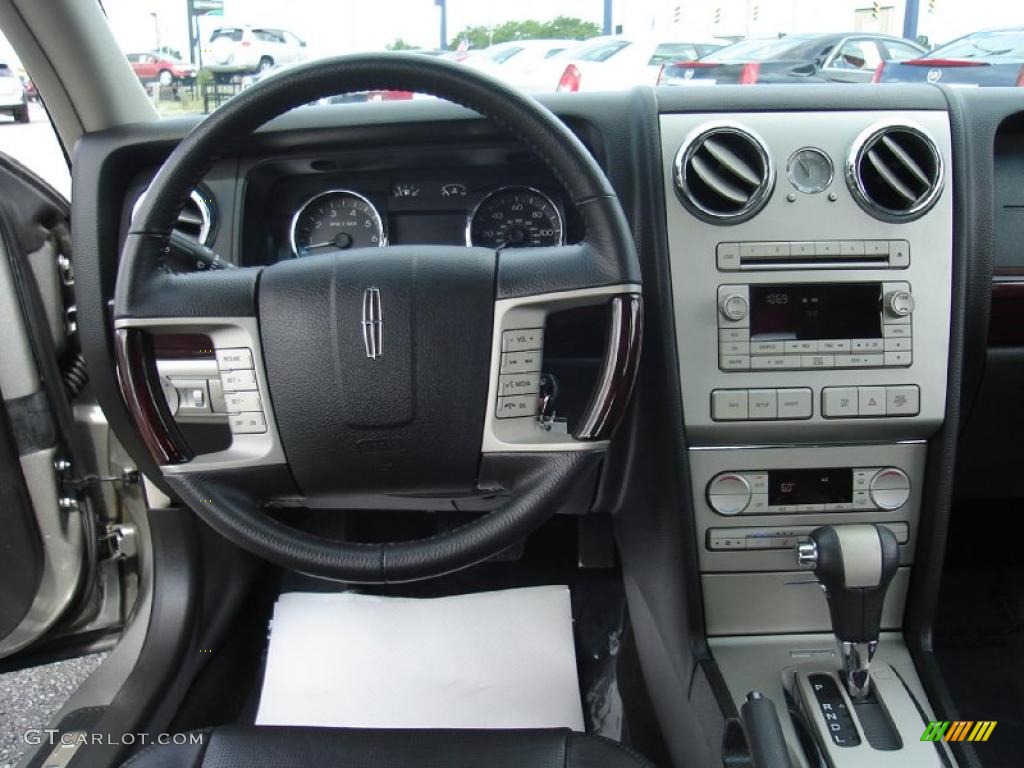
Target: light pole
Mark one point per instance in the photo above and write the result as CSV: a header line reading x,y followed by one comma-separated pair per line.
x,y
443,5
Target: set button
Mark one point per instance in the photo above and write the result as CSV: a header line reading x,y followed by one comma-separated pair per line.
x,y
854,402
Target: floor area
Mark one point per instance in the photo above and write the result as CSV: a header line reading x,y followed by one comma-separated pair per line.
x,y
30,697
979,634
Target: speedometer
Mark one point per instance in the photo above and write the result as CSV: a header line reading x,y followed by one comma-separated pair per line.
x,y
336,220
515,217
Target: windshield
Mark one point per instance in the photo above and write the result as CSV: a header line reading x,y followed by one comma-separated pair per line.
x,y
999,44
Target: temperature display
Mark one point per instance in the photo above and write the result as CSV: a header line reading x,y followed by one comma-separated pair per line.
x,y
810,486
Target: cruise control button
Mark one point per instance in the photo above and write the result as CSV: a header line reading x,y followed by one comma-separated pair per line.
x,y
235,381
247,423
233,359
242,401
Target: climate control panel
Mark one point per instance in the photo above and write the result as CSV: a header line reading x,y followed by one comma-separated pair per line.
x,y
789,491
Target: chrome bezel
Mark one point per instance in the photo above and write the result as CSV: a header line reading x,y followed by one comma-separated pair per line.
x,y
382,241
508,188
689,147
808,190
205,213
856,186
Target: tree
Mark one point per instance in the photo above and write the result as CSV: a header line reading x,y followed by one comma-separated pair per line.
x,y
560,28
400,45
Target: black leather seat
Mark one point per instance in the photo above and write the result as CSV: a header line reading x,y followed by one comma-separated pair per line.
x,y
274,747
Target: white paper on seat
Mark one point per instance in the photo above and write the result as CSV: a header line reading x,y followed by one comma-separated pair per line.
x,y
487,660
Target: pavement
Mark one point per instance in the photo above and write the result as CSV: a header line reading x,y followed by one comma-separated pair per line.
x,y
29,698
35,145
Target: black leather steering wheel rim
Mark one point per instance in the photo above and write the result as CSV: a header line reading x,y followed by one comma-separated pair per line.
x,y
226,501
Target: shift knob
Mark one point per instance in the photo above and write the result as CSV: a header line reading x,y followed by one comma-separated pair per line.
x,y
855,564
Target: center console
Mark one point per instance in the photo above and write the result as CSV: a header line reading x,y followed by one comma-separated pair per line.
x,y
811,260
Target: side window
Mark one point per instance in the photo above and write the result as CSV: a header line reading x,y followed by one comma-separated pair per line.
x,y
857,54
26,134
902,51
666,53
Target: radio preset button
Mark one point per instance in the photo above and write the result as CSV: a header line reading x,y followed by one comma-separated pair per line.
x,y
729,405
801,249
876,247
851,248
839,402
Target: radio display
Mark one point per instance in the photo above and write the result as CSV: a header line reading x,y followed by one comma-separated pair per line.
x,y
810,486
815,311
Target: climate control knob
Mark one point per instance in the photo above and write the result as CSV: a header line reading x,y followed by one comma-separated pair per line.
x,y
889,488
733,306
898,303
729,493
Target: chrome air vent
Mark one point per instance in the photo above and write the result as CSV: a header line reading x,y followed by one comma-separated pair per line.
x,y
196,219
723,174
894,172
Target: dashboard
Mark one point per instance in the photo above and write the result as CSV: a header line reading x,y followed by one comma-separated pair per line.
x,y
301,206
823,321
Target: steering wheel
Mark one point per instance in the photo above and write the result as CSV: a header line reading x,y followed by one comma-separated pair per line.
x,y
379,376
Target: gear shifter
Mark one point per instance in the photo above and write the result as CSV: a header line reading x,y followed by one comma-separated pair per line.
x,y
855,564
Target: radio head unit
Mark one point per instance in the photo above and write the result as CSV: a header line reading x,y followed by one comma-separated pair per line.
x,y
778,326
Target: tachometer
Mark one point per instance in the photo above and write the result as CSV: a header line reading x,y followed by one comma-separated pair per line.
x,y
336,220
515,217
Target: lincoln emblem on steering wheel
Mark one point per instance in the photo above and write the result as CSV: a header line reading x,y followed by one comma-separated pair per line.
x,y
373,324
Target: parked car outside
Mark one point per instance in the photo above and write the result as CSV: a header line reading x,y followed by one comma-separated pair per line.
x,y
986,57
515,54
244,49
13,98
161,68
836,58
615,62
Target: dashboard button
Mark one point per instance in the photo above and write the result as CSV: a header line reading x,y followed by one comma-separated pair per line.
x,y
728,256
902,400
876,247
734,362
899,253
734,334
762,404
726,348
801,249
795,403
890,488
802,347
839,402
871,401
898,359
729,405
866,345
834,345
729,494
768,362
851,247
758,481
766,347
826,248
734,307
898,345
897,331
817,361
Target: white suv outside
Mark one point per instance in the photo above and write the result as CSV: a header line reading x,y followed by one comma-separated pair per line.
x,y
13,100
244,49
